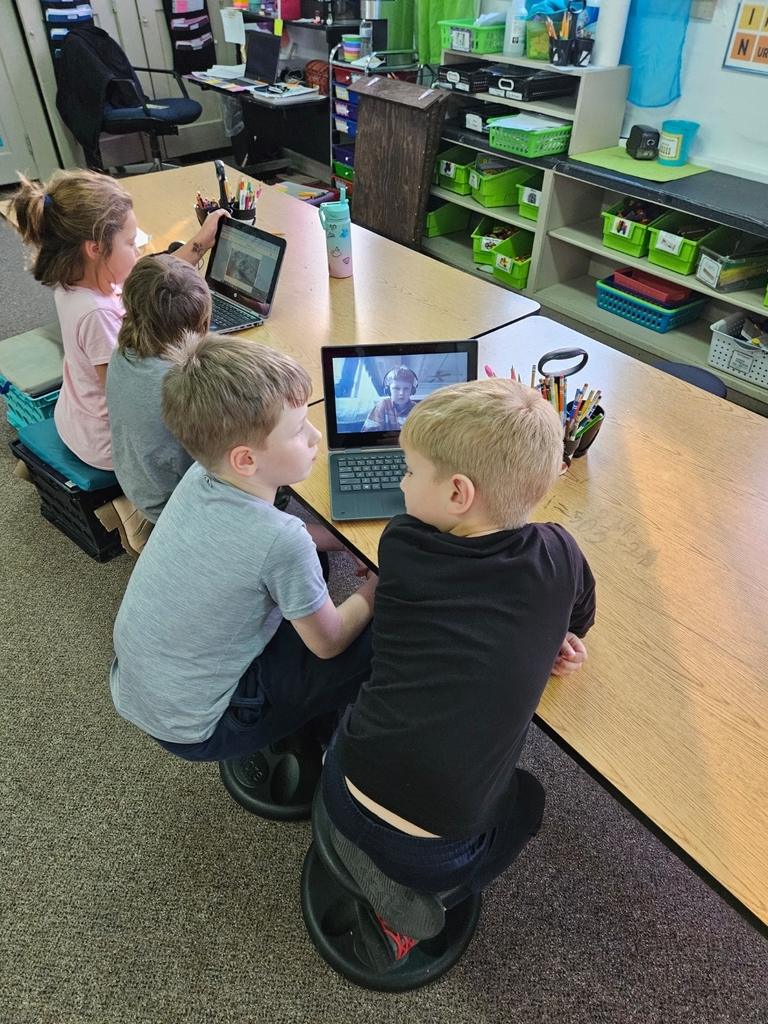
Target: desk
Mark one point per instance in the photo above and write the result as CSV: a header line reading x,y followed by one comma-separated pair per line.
x,y
395,294
274,123
670,506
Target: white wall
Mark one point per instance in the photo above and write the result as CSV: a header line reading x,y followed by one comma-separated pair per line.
x,y
730,106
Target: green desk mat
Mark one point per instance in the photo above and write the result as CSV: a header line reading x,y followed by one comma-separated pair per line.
x,y
617,159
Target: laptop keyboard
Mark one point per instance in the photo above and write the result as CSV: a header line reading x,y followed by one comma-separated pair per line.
x,y
227,315
370,472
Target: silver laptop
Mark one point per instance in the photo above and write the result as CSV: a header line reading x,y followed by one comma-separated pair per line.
x,y
242,275
369,391
262,59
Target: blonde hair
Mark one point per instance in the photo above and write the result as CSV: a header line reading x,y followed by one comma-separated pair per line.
x,y
225,391
73,208
499,433
164,298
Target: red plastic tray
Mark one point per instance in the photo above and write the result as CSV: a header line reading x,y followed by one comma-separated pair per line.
x,y
655,288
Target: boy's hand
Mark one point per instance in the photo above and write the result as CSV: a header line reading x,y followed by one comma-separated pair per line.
x,y
572,656
361,569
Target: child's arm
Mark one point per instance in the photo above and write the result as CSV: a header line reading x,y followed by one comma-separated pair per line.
x,y
101,373
331,630
572,656
194,250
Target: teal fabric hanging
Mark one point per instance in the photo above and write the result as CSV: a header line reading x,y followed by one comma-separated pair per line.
x,y
653,46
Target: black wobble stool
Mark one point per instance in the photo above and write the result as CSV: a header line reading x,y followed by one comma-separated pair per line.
x,y
278,781
329,896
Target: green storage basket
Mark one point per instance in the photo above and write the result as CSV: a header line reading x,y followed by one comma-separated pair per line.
x,y
446,218
684,261
343,171
464,36
529,196
453,167
483,242
637,239
500,188
508,267
543,142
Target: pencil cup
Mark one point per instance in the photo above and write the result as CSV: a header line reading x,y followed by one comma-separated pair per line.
x,y
248,216
675,141
581,51
587,438
202,212
560,52
569,449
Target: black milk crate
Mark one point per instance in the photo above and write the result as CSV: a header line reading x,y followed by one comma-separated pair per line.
x,y
470,77
71,509
525,84
479,120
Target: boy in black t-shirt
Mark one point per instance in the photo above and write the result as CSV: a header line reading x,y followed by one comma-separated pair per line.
x,y
475,609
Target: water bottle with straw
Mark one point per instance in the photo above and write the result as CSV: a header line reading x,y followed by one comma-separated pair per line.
x,y
336,222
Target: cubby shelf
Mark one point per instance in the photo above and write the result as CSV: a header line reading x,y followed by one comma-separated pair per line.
x,y
568,252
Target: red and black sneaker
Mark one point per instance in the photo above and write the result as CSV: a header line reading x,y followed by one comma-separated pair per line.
x,y
384,948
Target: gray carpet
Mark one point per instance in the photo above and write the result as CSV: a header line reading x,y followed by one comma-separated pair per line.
x,y
134,891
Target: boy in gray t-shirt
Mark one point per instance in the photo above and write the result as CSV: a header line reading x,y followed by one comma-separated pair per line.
x,y
226,639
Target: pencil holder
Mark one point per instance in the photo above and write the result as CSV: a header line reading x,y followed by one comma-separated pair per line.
x,y
587,438
249,216
569,450
201,212
560,52
581,51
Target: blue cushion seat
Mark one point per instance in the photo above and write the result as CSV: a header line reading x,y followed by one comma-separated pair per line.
x,y
181,110
42,439
695,375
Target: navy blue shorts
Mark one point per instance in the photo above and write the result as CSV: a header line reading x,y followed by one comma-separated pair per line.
x,y
434,865
280,691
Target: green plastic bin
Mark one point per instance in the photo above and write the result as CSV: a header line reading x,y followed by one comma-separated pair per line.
x,y
529,196
498,188
626,236
445,218
483,241
464,36
684,261
453,168
343,171
508,266
537,37
544,142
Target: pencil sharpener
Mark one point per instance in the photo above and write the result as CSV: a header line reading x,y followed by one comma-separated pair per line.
x,y
643,142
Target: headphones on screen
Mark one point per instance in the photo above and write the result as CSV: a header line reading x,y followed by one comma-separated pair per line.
x,y
399,371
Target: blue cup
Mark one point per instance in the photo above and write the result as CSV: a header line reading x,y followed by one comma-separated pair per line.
x,y
675,141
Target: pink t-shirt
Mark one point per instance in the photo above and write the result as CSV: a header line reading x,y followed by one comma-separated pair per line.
x,y
90,323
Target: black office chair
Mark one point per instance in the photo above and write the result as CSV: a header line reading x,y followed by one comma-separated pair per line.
x,y
695,375
99,91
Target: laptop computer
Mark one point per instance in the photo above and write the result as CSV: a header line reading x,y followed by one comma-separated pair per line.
x,y
262,59
369,391
242,275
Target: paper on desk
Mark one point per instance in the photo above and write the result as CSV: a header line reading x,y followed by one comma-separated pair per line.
x,y
223,72
366,62
142,238
234,29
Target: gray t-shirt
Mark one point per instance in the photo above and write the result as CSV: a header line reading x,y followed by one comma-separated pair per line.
x,y
219,573
148,459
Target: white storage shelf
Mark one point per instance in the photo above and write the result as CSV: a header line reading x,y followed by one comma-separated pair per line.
x,y
568,253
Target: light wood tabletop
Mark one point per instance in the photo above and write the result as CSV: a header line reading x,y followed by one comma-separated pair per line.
x,y
670,506
395,294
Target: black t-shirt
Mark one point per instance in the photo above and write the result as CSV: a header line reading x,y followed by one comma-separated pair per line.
x,y
465,634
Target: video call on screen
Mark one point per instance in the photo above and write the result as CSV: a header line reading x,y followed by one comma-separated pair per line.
x,y
359,383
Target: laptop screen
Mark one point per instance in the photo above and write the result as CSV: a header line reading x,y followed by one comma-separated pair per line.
x,y
370,389
262,56
245,264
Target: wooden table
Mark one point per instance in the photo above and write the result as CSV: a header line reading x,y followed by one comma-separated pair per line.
x,y
670,506
395,294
